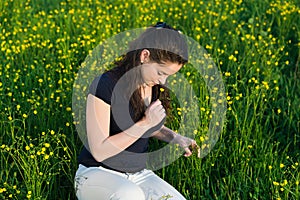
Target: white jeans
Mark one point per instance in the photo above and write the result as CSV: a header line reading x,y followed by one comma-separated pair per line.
x,y
103,184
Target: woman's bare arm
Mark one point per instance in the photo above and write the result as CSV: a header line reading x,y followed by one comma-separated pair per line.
x,y
101,144
167,135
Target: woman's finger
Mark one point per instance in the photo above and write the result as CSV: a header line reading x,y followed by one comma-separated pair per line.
x,y
187,152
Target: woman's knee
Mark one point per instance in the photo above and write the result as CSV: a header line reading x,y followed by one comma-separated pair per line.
x,y
128,192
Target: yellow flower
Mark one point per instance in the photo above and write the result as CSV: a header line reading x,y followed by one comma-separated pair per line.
x,y
208,46
275,183
270,167
281,165
27,148
232,57
285,182
202,139
227,74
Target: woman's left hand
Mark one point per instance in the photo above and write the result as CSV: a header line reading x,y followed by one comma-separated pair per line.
x,y
187,144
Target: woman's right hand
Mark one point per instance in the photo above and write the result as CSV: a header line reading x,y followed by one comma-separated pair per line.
x,y
155,113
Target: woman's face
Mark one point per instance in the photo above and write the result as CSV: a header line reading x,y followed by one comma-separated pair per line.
x,y
154,73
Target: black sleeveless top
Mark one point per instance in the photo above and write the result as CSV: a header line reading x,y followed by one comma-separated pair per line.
x,y
134,158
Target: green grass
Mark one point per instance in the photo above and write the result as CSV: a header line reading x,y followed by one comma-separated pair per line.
x,y
254,43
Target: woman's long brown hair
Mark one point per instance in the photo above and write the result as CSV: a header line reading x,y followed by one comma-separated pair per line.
x,y
170,45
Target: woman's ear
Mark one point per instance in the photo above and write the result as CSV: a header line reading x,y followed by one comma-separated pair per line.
x,y
145,56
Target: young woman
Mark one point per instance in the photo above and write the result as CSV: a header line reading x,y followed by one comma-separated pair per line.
x,y
122,112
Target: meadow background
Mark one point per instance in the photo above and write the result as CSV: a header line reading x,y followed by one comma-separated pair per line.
x,y
254,43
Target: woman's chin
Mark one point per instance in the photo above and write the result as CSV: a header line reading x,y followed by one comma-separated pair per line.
x,y
150,84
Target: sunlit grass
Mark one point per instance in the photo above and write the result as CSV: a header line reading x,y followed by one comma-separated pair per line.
x,y
255,44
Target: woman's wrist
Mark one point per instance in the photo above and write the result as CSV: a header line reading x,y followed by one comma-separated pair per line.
x,y
138,129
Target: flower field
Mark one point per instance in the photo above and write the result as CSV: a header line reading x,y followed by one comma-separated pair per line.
x,y
255,44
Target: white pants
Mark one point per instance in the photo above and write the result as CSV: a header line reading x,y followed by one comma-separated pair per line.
x,y
98,183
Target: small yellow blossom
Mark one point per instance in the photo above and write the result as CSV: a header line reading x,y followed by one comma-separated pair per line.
x,y
284,183
281,165
270,167
227,74
202,139
275,183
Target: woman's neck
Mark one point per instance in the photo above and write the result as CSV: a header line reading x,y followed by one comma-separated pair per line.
x,y
146,94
